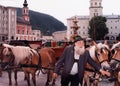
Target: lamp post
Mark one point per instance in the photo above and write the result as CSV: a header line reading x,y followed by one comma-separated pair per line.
x,y
75,27
94,30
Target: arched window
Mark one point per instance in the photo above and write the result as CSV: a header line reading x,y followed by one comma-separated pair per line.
x,y
95,3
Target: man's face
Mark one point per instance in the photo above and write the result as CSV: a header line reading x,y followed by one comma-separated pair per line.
x,y
79,47
80,44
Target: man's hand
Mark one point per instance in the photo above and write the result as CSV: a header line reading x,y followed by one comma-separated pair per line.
x,y
55,75
104,72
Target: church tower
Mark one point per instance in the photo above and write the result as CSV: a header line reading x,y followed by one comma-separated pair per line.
x,y
25,11
95,8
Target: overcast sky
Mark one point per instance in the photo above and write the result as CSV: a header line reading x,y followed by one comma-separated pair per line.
x,y
63,9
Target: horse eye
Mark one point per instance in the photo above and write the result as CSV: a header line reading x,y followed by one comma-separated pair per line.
x,y
113,51
98,54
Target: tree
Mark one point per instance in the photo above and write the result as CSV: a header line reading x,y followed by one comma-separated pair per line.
x,y
97,28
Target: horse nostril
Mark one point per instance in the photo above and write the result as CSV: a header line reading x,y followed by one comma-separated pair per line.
x,y
113,64
106,68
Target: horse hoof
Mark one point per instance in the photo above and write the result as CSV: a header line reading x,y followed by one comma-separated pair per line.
x,y
47,84
16,84
0,75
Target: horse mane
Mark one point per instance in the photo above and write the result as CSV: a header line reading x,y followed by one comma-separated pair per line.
x,y
99,46
20,52
7,45
115,45
92,51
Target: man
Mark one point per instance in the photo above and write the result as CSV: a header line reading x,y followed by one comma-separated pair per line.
x,y
73,61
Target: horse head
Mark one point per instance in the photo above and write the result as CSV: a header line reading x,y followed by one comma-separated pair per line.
x,y
100,53
6,55
115,59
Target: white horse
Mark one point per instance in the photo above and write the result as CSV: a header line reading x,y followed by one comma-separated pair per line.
x,y
24,56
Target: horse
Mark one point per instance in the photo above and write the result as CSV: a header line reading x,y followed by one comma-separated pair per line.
x,y
23,56
44,59
48,61
99,53
0,63
115,63
5,62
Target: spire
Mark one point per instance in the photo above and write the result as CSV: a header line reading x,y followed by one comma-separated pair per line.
x,y
25,3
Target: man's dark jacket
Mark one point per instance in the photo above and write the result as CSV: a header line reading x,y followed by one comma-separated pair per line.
x,y
67,59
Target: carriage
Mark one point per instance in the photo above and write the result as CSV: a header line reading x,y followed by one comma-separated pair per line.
x,y
47,53
57,49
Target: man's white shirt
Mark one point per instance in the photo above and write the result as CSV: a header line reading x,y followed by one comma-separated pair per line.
x,y
74,69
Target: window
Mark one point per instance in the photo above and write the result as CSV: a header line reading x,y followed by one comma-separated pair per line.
x,y
27,32
95,3
22,31
100,4
91,4
12,37
37,34
3,38
95,10
18,31
83,27
96,14
83,33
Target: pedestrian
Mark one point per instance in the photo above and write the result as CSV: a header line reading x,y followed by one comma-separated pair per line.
x,y
73,61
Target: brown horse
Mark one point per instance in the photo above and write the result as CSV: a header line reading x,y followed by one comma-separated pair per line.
x,y
0,62
5,62
29,59
99,53
48,61
24,56
115,63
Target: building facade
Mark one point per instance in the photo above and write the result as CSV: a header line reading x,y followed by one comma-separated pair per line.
x,y
23,28
95,9
59,36
37,34
7,23
13,27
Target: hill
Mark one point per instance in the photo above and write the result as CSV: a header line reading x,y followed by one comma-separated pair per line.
x,y
44,22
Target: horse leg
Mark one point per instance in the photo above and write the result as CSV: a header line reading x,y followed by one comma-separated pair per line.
x,y
25,76
15,77
116,83
95,83
47,82
34,78
0,72
28,78
51,79
9,75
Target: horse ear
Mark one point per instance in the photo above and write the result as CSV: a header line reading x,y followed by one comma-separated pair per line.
x,y
10,49
95,44
105,42
1,44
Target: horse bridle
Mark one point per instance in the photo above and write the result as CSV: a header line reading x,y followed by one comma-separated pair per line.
x,y
11,60
113,51
97,56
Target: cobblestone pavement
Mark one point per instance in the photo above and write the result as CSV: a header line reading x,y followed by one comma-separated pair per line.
x,y
41,79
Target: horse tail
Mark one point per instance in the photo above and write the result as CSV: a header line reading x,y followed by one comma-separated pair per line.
x,y
39,63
